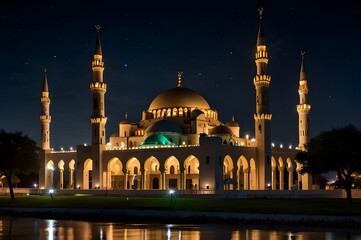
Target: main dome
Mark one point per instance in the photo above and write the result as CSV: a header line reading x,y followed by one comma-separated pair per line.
x,y
179,97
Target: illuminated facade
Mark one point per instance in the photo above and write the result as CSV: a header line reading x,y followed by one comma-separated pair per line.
x,y
178,143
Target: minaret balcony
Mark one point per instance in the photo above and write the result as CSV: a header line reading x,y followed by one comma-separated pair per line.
x,y
45,99
303,108
98,120
98,86
262,80
261,54
45,117
97,63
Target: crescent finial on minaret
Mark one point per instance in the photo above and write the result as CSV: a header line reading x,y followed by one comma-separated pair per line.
x,y
303,54
180,79
260,11
97,27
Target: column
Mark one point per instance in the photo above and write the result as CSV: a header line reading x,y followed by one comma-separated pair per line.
x,y
61,178
108,183
282,176
290,178
274,178
164,180
125,180
246,179
71,178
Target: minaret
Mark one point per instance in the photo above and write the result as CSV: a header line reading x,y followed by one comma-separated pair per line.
x,y
45,117
303,108
98,88
262,116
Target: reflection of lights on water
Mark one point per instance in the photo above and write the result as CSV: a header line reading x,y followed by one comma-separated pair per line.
x,y
101,234
169,234
50,229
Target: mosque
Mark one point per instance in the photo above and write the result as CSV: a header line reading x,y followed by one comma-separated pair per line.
x,y
179,143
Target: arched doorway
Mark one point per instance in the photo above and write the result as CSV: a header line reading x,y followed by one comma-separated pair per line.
x,y
243,174
191,176
172,176
228,179
132,174
152,171
88,174
115,175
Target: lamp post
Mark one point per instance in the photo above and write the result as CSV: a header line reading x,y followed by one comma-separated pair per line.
x,y
51,191
171,192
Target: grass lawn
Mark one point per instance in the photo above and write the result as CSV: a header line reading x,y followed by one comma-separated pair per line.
x,y
272,206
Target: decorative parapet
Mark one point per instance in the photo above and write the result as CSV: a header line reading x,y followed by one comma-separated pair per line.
x,y
262,80
261,54
262,116
303,108
45,117
98,86
98,120
97,63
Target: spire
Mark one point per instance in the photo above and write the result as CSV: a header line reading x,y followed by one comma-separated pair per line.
x,y
180,79
45,84
98,47
303,70
260,37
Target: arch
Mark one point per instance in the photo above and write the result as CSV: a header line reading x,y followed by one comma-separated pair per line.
x,y
50,174
152,170
191,175
88,174
180,112
175,112
242,173
131,178
115,176
228,170
172,176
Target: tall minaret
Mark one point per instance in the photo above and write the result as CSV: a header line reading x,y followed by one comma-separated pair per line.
x,y
262,116
303,108
45,117
98,88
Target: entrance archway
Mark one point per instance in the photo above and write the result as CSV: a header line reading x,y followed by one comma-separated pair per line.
x,y
88,174
191,175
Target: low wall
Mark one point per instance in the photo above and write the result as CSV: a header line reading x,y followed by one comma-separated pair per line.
x,y
336,193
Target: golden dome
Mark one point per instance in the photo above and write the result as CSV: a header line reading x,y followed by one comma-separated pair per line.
x,y
179,97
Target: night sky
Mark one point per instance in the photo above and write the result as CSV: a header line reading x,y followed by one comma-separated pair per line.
x,y
145,44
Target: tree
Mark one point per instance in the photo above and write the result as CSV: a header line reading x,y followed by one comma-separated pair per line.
x,y
337,150
18,155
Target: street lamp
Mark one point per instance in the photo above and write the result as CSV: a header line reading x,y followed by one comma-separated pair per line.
x,y
51,191
171,192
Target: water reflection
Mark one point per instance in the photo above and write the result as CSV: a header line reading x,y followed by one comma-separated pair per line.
x,y
26,228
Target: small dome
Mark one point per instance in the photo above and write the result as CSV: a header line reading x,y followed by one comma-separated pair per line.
x,y
156,139
179,97
220,130
126,120
164,126
232,123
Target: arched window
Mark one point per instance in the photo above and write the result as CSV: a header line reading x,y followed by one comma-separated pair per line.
x,y
171,169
